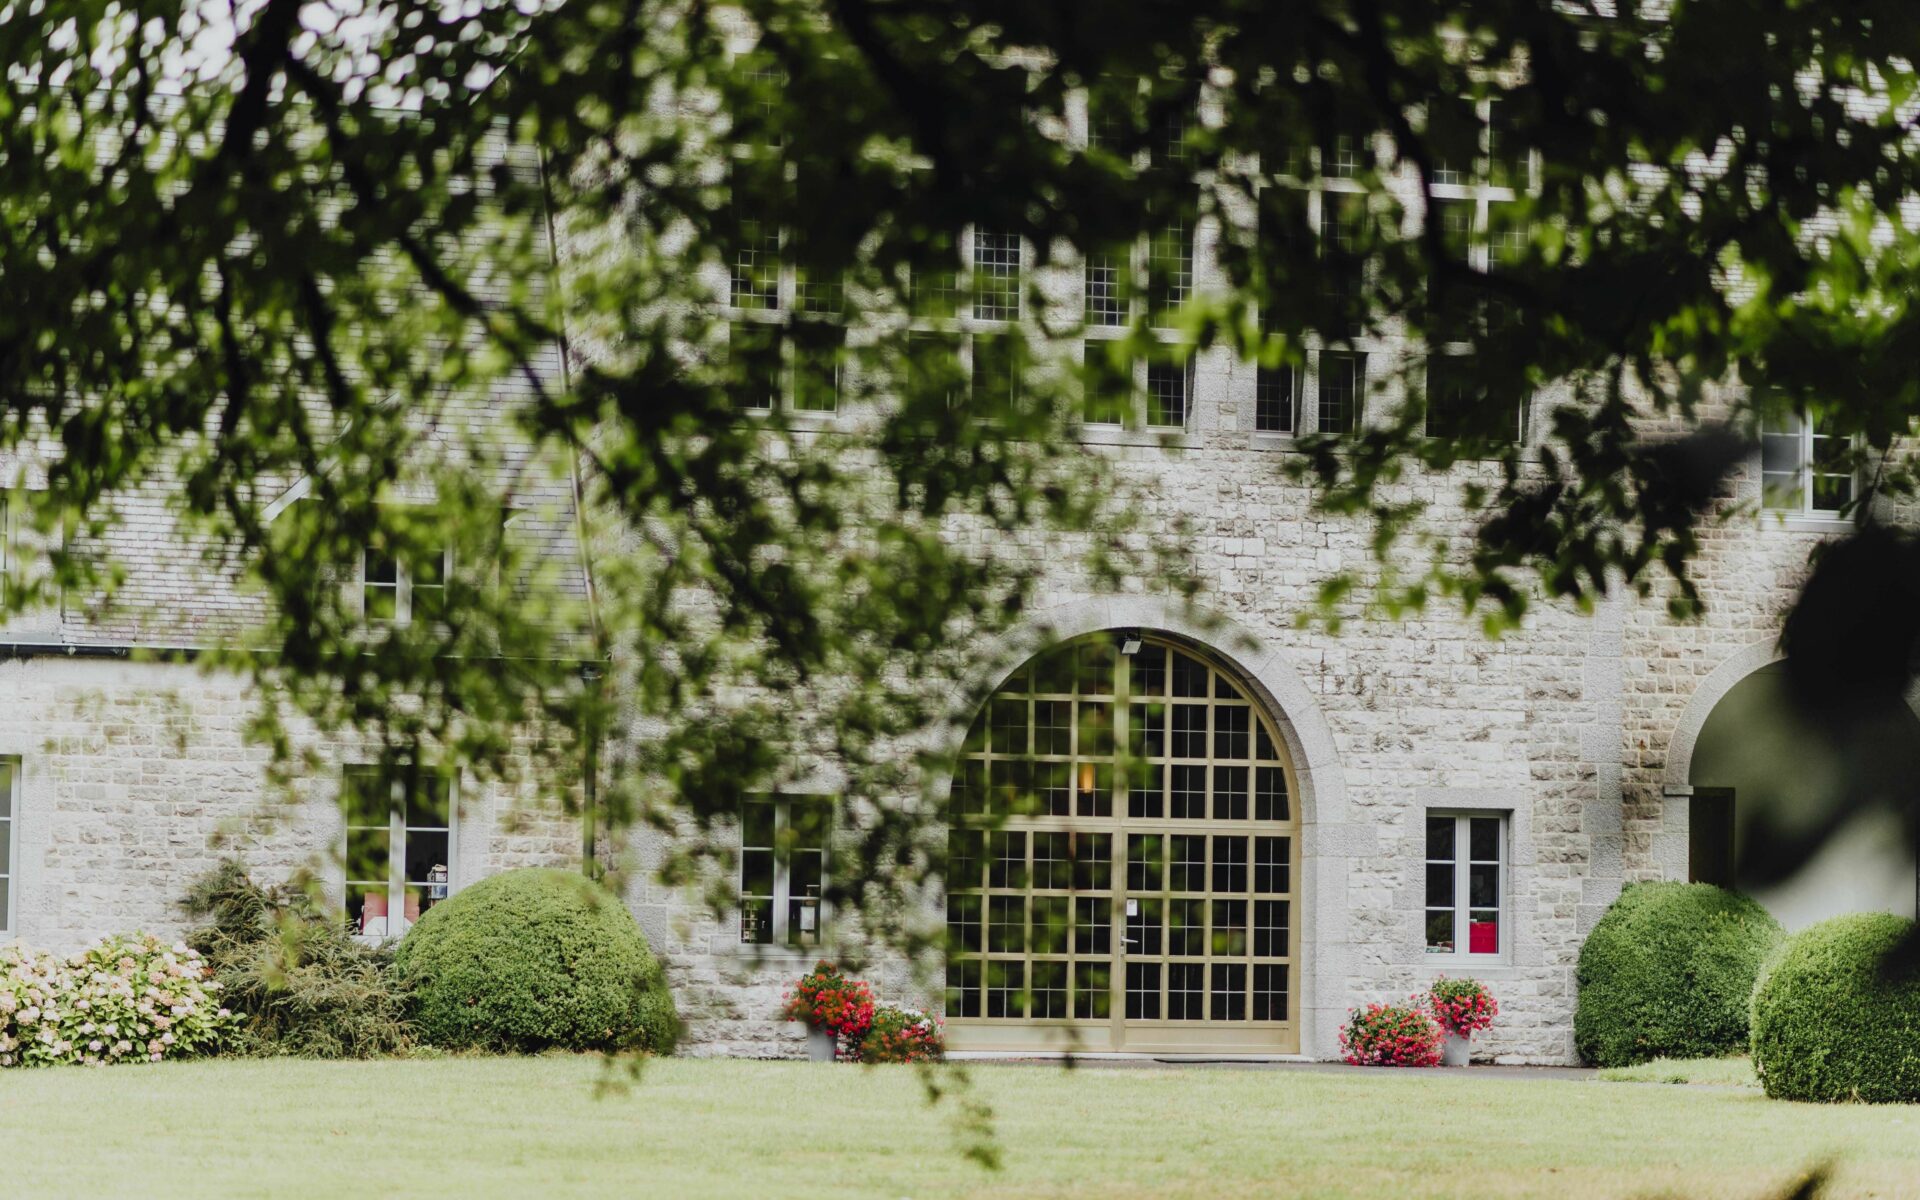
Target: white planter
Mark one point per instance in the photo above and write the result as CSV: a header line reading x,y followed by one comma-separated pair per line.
x,y
1456,1051
821,1044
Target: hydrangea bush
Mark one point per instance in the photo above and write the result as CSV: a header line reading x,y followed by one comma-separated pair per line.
x,y
126,998
1391,1035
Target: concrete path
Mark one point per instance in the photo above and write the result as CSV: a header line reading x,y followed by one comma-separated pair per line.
x,y
1089,1062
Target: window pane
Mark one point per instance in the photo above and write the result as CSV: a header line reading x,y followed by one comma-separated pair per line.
x,y
1007,924
963,924
1187,927
1008,866
818,355
1440,838
1006,989
1483,932
963,989
1149,671
1093,925
1146,858
427,856
1270,928
996,276
1049,991
1440,885
1187,798
755,276
933,367
1052,924
1144,927
1167,394
753,366
1092,990
1484,836
1107,386
1231,732
368,854
1229,928
1092,862
1273,400
1269,793
1106,303
1230,793
996,372
1483,886
428,802
1272,865
1340,389
1440,934
1189,676
1270,992
367,910
1143,991
1229,991
1189,863
1189,731
1186,991
1230,864
365,796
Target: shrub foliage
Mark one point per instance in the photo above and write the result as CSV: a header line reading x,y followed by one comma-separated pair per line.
x,y
902,1035
1829,1025
1668,972
301,983
533,959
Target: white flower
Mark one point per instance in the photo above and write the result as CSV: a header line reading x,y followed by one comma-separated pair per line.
x,y
94,1044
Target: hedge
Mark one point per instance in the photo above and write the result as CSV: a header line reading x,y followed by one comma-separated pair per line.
x,y
1828,1026
531,960
1668,972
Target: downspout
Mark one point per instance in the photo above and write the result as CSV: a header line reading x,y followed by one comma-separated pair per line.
x,y
592,672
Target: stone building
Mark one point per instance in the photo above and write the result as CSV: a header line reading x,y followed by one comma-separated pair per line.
x,y
1325,819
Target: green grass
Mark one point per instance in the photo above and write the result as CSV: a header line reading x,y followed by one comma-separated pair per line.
x,y
1733,1071
534,1127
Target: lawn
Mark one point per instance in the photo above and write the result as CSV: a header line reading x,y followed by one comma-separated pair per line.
x,y
527,1127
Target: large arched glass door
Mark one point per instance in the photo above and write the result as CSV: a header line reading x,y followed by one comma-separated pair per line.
x,y
1123,857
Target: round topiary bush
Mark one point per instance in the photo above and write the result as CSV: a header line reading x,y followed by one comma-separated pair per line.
x,y
1828,1026
1669,972
533,959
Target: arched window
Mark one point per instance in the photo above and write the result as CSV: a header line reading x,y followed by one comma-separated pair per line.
x,y
1123,859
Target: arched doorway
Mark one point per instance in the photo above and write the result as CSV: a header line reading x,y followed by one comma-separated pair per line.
x,y
1124,859
1761,779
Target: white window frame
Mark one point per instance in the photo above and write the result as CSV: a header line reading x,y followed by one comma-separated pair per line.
x,y
1137,410
403,585
397,831
1802,437
1462,863
963,328
781,898
13,767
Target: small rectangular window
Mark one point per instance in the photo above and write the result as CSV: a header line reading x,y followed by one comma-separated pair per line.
x,y
1169,387
1169,269
1466,884
996,276
1460,406
1710,853
755,275
398,851
1342,388
1275,398
400,591
783,870
1805,465
1106,304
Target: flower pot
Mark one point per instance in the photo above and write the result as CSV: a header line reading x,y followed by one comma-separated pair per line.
x,y
1456,1051
821,1044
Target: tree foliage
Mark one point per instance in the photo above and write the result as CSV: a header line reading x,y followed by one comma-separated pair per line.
x,y
282,251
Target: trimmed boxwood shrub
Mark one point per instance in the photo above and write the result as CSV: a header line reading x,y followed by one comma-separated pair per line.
x,y
534,959
1669,972
1828,1026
